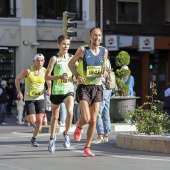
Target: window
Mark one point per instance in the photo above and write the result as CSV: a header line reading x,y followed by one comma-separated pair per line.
x,y
54,9
129,11
7,8
167,11
7,62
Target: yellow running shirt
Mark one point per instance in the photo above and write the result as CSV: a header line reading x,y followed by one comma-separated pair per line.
x,y
34,85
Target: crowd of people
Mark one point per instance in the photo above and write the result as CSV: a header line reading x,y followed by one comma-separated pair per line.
x,y
7,99
71,83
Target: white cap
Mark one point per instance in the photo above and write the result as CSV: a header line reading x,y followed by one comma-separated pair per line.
x,y
125,67
3,82
39,55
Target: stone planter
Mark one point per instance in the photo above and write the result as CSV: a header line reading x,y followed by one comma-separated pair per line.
x,y
120,106
151,143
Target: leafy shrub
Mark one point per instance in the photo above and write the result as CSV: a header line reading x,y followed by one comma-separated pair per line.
x,y
152,120
122,59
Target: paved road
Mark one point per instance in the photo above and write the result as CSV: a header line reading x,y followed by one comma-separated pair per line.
x,y
16,153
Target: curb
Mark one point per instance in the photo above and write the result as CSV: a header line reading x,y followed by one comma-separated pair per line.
x,y
151,143
60,129
114,128
124,128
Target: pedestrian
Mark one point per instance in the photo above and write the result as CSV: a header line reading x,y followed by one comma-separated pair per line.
x,y
91,66
129,81
62,114
103,125
11,90
62,89
3,102
34,93
166,105
76,111
20,106
20,109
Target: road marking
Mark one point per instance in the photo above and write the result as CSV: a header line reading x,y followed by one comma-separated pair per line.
x,y
72,148
5,138
28,134
12,167
142,158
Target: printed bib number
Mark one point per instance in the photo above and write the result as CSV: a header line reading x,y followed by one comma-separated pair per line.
x,y
35,91
62,81
93,71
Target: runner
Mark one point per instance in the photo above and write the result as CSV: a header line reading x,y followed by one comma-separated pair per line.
x,y
62,89
34,94
91,66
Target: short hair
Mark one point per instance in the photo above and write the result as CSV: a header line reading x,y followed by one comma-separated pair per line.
x,y
91,30
63,37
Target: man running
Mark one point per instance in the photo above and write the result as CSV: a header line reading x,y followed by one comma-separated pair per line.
x,y
62,89
34,94
91,66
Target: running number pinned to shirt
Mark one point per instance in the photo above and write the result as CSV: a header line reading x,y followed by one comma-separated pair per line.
x,y
36,91
93,71
62,81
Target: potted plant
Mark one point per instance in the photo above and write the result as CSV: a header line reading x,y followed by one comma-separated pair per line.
x,y
149,118
121,102
152,125
122,60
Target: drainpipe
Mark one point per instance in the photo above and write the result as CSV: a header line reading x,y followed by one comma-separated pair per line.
x,y
101,15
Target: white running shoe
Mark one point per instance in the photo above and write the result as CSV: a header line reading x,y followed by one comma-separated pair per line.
x,y
51,146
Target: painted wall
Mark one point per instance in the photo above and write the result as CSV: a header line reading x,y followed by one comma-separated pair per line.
x,y
24,30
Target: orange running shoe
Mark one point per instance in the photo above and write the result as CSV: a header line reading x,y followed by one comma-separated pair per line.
x,y
77,133
87,152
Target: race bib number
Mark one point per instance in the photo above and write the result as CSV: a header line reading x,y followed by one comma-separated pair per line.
x,y
36,91
62,81
93,71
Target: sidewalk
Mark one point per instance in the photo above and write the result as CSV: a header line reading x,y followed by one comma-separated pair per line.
x,y
115,127
13,118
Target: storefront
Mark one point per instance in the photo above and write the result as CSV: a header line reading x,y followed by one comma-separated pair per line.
x,y
7,62
150,61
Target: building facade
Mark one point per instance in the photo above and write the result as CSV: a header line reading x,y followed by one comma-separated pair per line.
x,y
33,26
140,27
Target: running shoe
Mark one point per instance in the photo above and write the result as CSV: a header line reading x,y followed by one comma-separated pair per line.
x,y
98,141
27,124
61,123
4,123
106,140
51,146
20,123
88,153
33,126
66,143
77,133
34,143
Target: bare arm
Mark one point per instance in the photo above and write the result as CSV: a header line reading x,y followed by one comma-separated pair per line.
x,y
49,87
73,62
105,60
23,74
105,73
50,68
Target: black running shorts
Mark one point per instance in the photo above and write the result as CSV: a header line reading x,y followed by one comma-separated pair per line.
x,y
36,106
58,99
90,93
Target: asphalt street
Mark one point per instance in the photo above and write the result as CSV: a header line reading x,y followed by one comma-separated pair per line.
x,y
17,154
